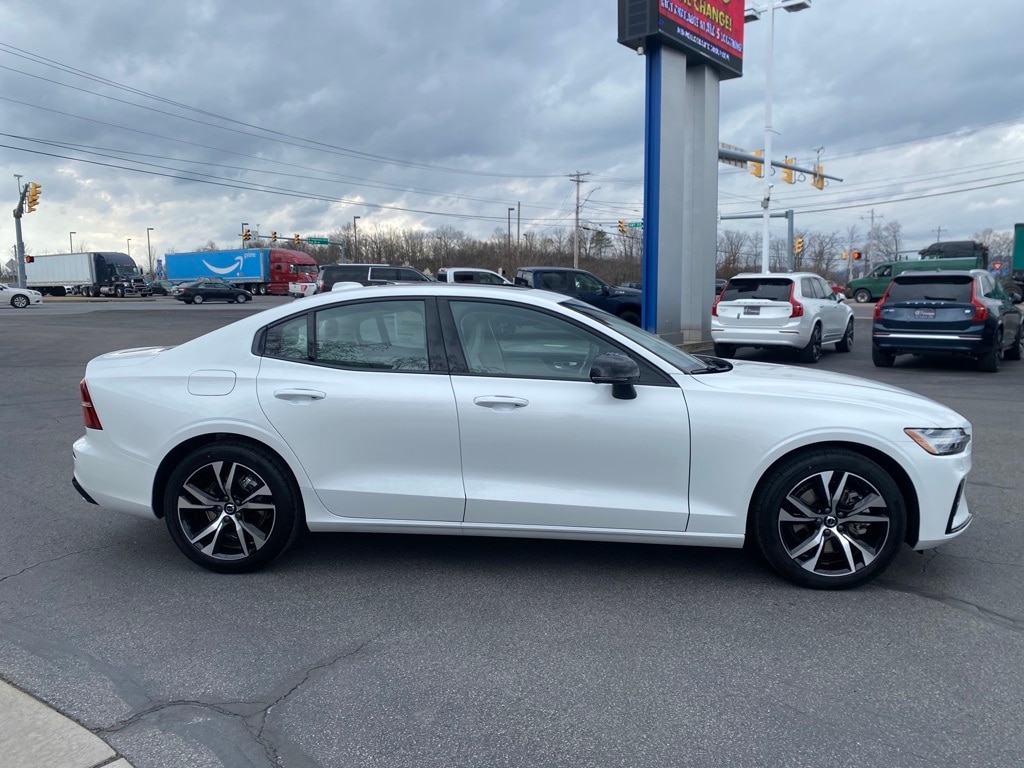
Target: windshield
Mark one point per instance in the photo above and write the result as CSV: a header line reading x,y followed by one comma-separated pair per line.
x,y
652,343
770,288
124,269
955,288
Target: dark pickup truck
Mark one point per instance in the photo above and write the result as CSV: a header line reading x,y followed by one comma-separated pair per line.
x,y
624,302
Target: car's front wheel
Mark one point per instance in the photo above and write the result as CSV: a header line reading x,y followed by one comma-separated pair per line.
x,y
241,298
829,519
631,317
19,301
845,344
231,508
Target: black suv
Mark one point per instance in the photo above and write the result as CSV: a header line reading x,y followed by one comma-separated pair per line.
x,y
367,274
624,302
955,312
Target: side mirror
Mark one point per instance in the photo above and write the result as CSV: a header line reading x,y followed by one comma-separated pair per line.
x,y
619,370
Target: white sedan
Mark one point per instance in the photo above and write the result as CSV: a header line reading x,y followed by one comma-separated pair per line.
x,y
19,298
476,410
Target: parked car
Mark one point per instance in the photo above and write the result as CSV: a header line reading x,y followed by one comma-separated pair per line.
x,y
796,310
636,285
720,285
163,287
470,275
585,286
400,408
960,313
211,290
366,274
19,298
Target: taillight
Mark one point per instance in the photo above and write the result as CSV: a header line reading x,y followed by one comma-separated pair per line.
x,y
877,314
980,310
714,306
89,415
797,309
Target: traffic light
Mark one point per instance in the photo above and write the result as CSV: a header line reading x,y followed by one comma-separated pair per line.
x,y
29,259
273,237
856,255
798,246
33,196
756,169
787,173
819,178
296,239
622,226
246,235
844,256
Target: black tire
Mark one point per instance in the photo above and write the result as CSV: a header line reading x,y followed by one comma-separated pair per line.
x,y
881,358
19,301
812,352
119,292
631,317
237,503
1016,352
845,344
725,350
241,298
198,298
818,522
862,295
989,362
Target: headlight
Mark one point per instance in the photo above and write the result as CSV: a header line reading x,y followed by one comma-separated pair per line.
x,y
940,442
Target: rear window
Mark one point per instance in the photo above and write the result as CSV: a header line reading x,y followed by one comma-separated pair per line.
x,y
770,288
943,288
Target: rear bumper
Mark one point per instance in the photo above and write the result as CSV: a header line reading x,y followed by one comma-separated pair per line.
x,y
953,343
783,336
110,478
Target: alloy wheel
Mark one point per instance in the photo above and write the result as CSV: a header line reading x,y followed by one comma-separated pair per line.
x,y
834,523
226,510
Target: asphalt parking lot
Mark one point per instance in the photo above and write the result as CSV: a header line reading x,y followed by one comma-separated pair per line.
x,y
438,651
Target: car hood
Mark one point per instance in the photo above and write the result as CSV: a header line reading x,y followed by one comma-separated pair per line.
x,y
769,379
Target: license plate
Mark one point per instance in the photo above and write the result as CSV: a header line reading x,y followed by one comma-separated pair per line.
x,y
924,314
751,310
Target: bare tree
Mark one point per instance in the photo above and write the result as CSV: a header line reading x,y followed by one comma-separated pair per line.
x,y
730,258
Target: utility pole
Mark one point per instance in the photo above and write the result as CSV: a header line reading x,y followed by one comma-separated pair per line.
x,y
519,213
577,178
871,237
938,234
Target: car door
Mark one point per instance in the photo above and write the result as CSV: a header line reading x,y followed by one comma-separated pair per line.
x,y
833,316
363,399
545,448
591,290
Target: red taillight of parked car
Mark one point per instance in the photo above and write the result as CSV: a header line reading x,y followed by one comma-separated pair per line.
x,y
89,415
797,309
980,310
714,306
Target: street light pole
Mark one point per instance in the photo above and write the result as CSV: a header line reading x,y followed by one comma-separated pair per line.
x,y
129,247
508,247
71,240
355,239
149,249
752,13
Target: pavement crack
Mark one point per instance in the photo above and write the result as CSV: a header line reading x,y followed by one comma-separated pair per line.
x,y
53,560
985,614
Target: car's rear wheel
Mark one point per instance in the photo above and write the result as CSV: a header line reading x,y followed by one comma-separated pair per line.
x,y
989,362
862,296
812,352
845,344
881,358
198,298
231,508
725,350
829,519
1016,352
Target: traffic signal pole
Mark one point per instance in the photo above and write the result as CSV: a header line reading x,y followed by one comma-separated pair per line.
x,y
20,244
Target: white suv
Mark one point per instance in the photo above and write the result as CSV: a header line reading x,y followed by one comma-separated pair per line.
x,y
795,309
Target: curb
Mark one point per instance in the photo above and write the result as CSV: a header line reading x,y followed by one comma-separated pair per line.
x,y
33,735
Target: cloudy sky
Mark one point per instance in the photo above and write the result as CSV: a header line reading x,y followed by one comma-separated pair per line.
x,y
194,116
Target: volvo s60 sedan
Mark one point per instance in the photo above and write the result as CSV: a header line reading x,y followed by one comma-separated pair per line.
x,y
475,410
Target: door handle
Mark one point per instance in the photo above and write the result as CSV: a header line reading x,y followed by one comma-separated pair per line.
x,y
501,402
299,395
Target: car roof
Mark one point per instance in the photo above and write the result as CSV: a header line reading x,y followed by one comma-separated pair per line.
x,y
789,275
917,274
